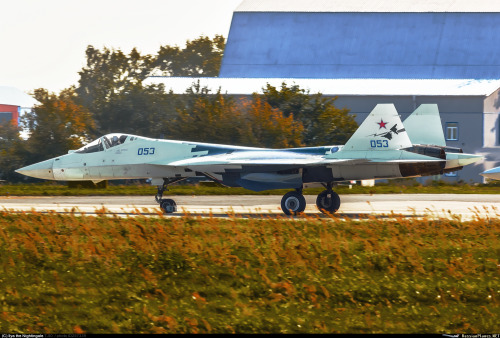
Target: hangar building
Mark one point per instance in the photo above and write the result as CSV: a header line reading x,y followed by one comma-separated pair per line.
x,y
403,39
404,52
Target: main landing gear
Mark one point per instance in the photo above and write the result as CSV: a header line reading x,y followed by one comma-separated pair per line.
x,y
328,201
293,202
168,205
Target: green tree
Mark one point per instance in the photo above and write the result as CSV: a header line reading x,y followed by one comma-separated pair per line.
x,y
200,57
333,126
323,122
56,125
109,81
218,118
206,117
142,110
157,108
111,85
13,152
267,126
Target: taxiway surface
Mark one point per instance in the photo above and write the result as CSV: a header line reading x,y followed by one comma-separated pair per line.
x,y
467,206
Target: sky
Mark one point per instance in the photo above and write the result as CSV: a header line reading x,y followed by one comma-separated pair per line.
x,y
43,43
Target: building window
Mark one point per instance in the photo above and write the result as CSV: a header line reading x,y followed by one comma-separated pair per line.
x,y
451,174
451,131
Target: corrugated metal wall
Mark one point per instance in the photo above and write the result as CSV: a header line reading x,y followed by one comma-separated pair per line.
x,y
363,45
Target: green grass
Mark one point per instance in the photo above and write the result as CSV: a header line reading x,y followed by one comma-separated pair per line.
x,y
67,273
397,186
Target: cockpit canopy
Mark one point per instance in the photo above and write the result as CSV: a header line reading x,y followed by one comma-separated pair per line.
x,y
108,141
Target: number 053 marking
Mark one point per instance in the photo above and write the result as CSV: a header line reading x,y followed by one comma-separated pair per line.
x,y
379,143
145,151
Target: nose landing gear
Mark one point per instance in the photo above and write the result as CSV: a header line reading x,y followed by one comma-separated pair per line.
x,y
168,205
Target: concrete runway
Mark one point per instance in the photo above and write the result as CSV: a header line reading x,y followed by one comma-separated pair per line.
x,y
467,206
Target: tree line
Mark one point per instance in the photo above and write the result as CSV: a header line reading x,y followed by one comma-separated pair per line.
x,y
111,97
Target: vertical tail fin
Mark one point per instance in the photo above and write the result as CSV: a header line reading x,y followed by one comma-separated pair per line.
x,y
381,130
424,126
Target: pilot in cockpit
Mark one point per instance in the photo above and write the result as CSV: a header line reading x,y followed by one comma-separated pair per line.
x,y
116,141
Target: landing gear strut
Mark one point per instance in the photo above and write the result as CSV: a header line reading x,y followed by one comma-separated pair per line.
x,y
293,202
166,204
328,201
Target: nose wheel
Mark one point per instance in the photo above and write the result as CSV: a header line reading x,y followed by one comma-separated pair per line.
x,y
168,205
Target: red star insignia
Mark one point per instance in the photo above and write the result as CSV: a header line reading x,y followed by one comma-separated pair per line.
x,y
382,124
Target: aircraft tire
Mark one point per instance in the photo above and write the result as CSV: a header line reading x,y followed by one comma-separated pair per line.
x,y
293,203
168,205
328,201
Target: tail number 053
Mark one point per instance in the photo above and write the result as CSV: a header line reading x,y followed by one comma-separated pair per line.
x,y
145,151
379,143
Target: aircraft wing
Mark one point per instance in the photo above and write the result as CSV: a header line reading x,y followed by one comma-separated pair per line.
x,y
414,161
218,161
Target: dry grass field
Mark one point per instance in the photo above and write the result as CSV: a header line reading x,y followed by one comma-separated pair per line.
x,y
76,274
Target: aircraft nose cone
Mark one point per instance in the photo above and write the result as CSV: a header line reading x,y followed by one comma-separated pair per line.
x,y
41,170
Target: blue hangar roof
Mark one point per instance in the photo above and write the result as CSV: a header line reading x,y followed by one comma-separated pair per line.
x,y
322,42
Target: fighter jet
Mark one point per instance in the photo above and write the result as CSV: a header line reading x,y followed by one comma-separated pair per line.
x,y
493,173
381,148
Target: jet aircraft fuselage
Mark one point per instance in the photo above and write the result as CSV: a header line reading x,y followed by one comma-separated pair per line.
x,y
380,149
136,157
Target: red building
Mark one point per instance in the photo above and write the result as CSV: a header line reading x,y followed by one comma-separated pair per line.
x,y
9,113
14,103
